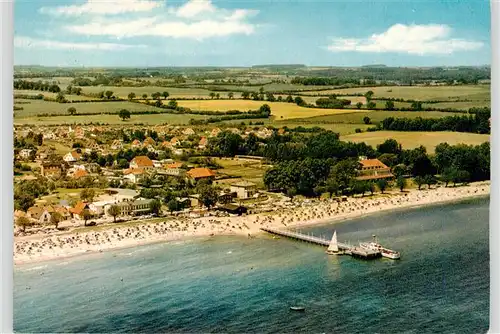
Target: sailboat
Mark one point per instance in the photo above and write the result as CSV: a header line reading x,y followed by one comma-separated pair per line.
x,y
333,248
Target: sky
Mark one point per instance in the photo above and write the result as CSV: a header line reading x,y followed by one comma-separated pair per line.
x,y
147,33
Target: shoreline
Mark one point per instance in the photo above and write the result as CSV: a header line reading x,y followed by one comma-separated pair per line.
x,y
45,248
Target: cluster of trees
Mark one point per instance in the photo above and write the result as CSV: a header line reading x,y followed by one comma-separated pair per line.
x,y
325,164
332,102
26,192
476,123
323,81
37,85
71,90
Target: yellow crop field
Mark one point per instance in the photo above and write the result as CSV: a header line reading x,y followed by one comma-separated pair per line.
x,y
280,110
410,140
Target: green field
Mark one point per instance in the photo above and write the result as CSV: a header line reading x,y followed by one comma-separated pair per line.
x,y
49,94
248,170
37,107
150,119
411,140
375,116
280,110
472,92
123,92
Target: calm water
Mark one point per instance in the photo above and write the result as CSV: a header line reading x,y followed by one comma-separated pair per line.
x,y
441,284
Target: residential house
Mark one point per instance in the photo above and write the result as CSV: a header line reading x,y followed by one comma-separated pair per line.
x,y
178,151
79,209
200,174
264,133
52,169
39,214
72,157
49,135
116,145
149,142
215,132
175,141
175,169
134,208
202,143
373,169
188,132
79,132
166,145
134,175
25,153
136,143
79,173
244,189
141,161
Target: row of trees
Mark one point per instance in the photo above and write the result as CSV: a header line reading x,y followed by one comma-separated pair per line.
x,y
37,85
476,123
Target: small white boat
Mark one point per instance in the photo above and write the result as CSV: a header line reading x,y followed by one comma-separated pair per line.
x,y
297,308
333,248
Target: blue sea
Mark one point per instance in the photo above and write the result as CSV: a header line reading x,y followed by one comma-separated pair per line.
x,y
240,285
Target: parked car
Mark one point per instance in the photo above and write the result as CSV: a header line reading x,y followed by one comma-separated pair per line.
x,y
92,223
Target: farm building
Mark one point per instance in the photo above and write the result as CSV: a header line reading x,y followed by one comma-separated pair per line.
x,y
373,169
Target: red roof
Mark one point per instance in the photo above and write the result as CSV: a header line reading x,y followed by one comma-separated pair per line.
x,y
142,161
80,173
79,207
198,173
136,171
174,165
367,163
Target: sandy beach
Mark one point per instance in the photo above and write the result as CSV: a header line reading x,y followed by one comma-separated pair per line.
x,y
42,247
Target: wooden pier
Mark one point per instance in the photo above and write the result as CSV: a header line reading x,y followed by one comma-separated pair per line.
x,y
344,248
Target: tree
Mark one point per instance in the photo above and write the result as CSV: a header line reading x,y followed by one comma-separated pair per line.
x,y
23,222
371,105
230,95
289,99
217,96
359,105
124,114
56,218
155,207
172,104
382,185
114,210
131,96
417,106
173,205
144,96
430,180
72,110
419,180
389,105
212,95
299,101
368,95
87,195
367,120
245,95
265,109
60,98
389,146
156,95
208,195
401,183
108,94
86,214
158,103
165,95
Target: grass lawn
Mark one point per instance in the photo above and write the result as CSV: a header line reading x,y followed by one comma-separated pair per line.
x,y
411,140
110,119
247,170
280,110
59,147
36,107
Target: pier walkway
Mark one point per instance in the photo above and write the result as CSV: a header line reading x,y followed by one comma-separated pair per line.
x,y
344,248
